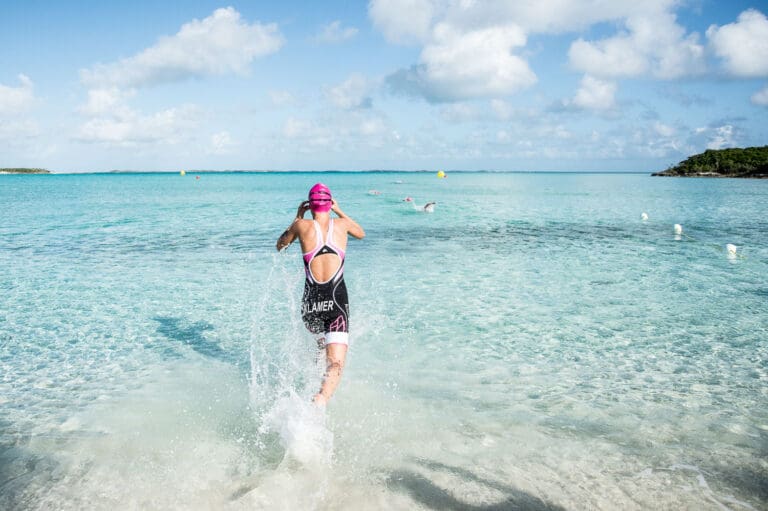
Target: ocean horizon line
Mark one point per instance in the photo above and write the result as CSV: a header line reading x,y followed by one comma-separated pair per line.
x,y
337,171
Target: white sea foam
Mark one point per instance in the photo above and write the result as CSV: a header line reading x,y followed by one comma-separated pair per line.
x,y
302,429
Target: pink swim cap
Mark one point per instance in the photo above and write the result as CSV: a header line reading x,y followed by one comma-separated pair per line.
x,y
320,198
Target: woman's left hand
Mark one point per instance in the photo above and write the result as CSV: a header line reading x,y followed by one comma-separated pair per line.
x,y
303,207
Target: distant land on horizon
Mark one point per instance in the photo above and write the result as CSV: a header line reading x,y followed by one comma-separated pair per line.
x,y
748,162
24,171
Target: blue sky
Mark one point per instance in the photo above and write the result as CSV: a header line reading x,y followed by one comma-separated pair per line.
x,y
398,84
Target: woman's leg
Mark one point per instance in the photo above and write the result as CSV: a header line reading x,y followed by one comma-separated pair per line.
x,y
335,354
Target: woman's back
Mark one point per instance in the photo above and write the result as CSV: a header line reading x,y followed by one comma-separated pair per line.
x,y
323,250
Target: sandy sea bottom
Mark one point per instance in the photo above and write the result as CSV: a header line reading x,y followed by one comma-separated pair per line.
x,y
531,344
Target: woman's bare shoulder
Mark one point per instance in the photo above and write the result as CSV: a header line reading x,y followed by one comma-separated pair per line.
x,y
303,225
341,222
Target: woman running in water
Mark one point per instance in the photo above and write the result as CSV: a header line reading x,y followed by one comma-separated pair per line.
x,y
324,307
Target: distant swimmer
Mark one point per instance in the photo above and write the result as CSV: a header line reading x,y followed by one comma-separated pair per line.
x,y
325,306
374,192
429,207
408,199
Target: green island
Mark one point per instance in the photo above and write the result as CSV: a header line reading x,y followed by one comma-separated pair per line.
x,y
24,171
747,162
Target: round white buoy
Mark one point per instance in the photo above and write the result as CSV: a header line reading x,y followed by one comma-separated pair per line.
x,y
678,229
644,216
731,248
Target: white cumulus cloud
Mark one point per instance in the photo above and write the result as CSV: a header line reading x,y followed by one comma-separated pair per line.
x,y
551,16
222,43
111,121
410,21
473,48
595,94
653,44
477,63
457,65
219,44
403,21
742,45
14,100
723,136
616,57
130,128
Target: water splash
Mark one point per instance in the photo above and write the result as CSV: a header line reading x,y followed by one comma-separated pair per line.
x,y
302,429
286,368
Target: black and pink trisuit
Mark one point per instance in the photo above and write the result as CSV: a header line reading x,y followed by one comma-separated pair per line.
x,y
325,306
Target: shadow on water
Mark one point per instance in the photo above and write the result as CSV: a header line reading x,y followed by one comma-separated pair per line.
x,y
752,481
20,474
426,492
193,336
749,478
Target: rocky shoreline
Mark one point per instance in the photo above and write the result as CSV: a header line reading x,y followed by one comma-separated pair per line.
x,y
666,173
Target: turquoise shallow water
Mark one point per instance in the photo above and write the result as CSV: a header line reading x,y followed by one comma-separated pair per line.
x,y
531,344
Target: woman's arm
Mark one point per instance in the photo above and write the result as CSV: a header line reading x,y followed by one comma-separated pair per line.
x,y
353,228
291,233
286,238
